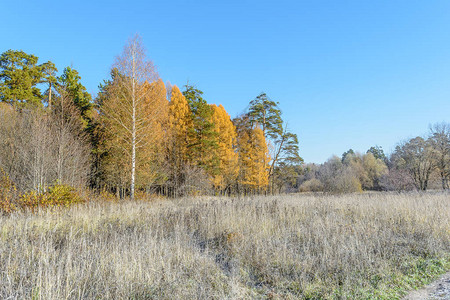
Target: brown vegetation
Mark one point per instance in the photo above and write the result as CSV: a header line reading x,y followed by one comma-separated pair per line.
x,y
310,247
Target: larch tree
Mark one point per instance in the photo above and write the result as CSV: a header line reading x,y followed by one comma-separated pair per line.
x,y
151,158
179,123
228,167
128,111
253,156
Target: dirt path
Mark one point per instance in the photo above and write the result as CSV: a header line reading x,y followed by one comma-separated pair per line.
x,y
437,290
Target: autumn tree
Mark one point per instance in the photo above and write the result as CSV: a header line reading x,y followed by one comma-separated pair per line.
x,y
377,152
416,158
226,149
39,148
150,160
20,75
366,168
253,156
440,142
179,123
347,156
128,111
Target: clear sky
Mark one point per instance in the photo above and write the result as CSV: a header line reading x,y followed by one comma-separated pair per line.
x,y
347,74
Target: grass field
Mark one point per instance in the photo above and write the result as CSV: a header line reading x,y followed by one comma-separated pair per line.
x,y
364,246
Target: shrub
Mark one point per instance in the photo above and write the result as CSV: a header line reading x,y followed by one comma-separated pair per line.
x,y
311,185
57,195
8,193
106,195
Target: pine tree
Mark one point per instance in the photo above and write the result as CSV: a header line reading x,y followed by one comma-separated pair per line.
x,y
70,82
283,144
19,76
202,137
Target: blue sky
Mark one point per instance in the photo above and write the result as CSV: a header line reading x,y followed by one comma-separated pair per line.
x,y
347,74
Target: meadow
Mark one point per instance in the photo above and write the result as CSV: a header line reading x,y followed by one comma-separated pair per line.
x,y
300,246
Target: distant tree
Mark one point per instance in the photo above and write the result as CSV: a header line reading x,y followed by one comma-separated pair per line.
x,y
19,76
336,177
347,156
416,157
440,143
375,169
377,152
368,169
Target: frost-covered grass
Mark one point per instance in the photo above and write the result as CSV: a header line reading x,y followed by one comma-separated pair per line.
x,y
282,247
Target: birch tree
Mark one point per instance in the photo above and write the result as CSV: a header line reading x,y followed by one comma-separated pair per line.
x,y
129,110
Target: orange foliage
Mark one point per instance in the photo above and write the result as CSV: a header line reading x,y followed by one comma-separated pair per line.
x,y
179,122
253,159
228,166
150,154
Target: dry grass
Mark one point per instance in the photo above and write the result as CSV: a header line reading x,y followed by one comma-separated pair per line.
x,y
288,247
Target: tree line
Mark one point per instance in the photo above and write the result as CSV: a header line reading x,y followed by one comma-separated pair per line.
x,y
419,163
138,136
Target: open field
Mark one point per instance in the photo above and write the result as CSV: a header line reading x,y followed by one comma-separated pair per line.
x,y
282,247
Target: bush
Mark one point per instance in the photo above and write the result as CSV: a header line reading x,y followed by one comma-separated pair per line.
x,y
106,195
347,183
312,185
58,195
8,193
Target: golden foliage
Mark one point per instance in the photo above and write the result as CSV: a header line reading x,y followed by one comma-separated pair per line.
x,y
179,122
253,159
57,196
151,119
151,154
228,167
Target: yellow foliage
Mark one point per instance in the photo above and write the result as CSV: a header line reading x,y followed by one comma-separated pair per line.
x,y
156,106
57,196
179,120
253,159
228,167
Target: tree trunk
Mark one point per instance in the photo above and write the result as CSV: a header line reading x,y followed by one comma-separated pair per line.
x,y
133,133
